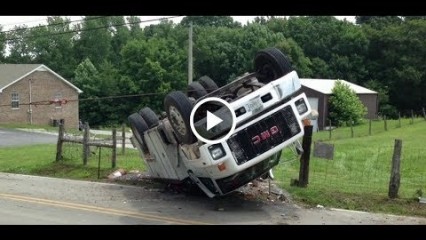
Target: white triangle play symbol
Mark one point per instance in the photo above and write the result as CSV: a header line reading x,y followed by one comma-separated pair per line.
x,y
212,120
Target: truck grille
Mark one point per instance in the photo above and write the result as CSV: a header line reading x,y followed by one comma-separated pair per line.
x,y
264,135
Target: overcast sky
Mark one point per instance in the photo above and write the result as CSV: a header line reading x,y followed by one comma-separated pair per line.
x,y
8,22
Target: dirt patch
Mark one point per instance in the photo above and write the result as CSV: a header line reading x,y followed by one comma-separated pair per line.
x,y
264,190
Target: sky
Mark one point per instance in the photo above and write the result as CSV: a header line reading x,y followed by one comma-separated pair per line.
x,y
8,22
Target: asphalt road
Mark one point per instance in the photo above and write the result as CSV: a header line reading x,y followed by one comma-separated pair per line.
x,y
13,137
41,200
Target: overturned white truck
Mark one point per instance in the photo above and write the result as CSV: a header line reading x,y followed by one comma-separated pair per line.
x,y
267,116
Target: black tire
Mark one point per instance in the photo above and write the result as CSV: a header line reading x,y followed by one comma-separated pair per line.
x,y
271,64
178,109
149,116
138,126
196,90
208,84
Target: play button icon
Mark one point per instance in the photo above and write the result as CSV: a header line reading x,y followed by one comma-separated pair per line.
x,y
212,120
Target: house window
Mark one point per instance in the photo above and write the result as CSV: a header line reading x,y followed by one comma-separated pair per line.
x,y
15,100
58,99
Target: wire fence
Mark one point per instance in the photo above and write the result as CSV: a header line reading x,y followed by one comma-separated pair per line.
x,y
368,128
99,161
360,171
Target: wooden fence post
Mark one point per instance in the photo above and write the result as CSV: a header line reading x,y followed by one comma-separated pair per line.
x,y
86,148
304,159
114,147
123,140
395,171
424,113
369,127
352,128
329,129
385,122
60,142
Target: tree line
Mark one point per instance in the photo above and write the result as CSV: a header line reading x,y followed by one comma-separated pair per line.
x,y
108,56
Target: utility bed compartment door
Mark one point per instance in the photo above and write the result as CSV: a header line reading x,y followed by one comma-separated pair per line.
x,y
164,163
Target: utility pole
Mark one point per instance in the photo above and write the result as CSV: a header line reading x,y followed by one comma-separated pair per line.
x,y
190,54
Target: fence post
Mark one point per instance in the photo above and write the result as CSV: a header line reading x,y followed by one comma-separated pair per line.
x,y
123,140
60,142
329,129
114,147
395,171
304,159
424,113
386,124
352,128
86,149
369,127
412,116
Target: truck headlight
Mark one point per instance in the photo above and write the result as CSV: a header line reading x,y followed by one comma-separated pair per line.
x,y
301,106
216,151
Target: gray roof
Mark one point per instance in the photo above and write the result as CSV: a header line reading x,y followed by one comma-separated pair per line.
x,y
326,86
11,73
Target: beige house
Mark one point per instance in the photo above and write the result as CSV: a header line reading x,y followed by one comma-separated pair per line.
x,y
34,94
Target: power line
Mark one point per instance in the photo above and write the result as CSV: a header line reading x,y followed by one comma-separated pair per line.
x,y
53,24
64,101
90,29
17,23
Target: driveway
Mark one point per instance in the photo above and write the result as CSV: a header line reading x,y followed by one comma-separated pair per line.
x,y
13,137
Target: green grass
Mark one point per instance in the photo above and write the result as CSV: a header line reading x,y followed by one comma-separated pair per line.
x,y
358,176
40,160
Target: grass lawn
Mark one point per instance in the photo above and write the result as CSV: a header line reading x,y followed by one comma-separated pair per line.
x,y
358,176
40,160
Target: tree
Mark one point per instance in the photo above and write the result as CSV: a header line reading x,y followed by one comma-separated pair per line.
x,y
378,21
385,108
396,59
155,66
213,21
345,105
52,45
19,50
85,79
2,44
335,48
94,39
120,36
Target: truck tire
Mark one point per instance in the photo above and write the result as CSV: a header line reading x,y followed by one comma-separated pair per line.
x,y
270,64
196,90
178,109
208,84
149,116
138,126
